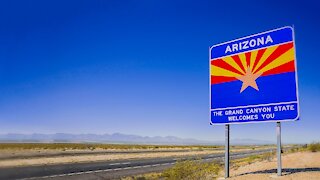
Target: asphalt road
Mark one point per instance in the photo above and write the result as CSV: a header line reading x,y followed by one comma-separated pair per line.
x,y
107,169
79,153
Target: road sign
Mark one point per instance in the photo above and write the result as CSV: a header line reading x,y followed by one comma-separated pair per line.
x,y
254,79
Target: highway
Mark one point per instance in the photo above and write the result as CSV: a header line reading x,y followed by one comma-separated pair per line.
x,y
78,153
108,169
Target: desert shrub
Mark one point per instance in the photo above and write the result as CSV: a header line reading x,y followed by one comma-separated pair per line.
x,y
314,147
141,178
251,159
148,176
298,149
192,170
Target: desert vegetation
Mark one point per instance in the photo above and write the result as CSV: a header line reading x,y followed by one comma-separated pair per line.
x,y
235,164
185,170
192,170
85,146
314,147
93,146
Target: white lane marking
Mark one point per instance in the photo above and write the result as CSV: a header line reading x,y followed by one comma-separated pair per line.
x,y
113,164
88,172
97,171
106,170
164,164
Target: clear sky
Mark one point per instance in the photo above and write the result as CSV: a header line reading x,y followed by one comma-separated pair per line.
x,y
139,67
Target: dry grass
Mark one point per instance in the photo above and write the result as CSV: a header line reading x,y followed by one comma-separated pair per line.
x,y
235,164
149,176
92,146
192,170
184,170
314,147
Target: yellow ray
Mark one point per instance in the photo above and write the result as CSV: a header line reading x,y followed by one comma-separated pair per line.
x,y
232,63
243,60
265,55
282,59
218,71
253,58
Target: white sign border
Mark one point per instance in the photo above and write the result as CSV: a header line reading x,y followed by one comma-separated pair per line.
x,y
296,78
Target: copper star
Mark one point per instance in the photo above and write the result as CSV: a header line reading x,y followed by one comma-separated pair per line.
x,y
249,79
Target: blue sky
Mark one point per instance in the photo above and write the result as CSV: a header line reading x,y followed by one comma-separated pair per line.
x,y
139,67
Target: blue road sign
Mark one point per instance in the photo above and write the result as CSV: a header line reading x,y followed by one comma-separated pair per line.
x,y
254,79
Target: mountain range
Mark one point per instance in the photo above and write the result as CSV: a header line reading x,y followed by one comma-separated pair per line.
x,y
118,138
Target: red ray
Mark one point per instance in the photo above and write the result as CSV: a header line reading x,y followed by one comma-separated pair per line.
x,y
248,57
259,55
279,51
287,67
221,79
224,65
238,61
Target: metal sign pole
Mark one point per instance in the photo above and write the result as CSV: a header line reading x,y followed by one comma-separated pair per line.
x,y
279,169
227,150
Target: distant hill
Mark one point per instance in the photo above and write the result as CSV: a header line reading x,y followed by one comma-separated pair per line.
x,y
117,138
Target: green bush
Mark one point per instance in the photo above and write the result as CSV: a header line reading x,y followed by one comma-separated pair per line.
x,y
192,170
314,147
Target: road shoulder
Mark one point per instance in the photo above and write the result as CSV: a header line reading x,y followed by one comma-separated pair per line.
x,y
299,165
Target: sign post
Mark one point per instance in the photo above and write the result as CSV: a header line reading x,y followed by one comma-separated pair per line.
x,y
227,151
254,79
279,169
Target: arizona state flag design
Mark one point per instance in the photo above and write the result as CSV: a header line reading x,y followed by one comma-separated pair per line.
x,y
253,79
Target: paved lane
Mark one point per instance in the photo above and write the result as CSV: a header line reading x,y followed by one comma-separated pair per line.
x,y
110,169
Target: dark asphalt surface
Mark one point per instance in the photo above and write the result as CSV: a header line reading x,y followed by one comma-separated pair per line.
x,y
107,169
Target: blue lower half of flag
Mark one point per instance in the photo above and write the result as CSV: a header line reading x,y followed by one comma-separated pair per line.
x,y
276,88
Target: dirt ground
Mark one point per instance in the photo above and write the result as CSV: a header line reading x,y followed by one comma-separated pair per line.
x,y
300,165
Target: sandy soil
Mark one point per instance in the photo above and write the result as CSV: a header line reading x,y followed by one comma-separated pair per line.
x,y
301,165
